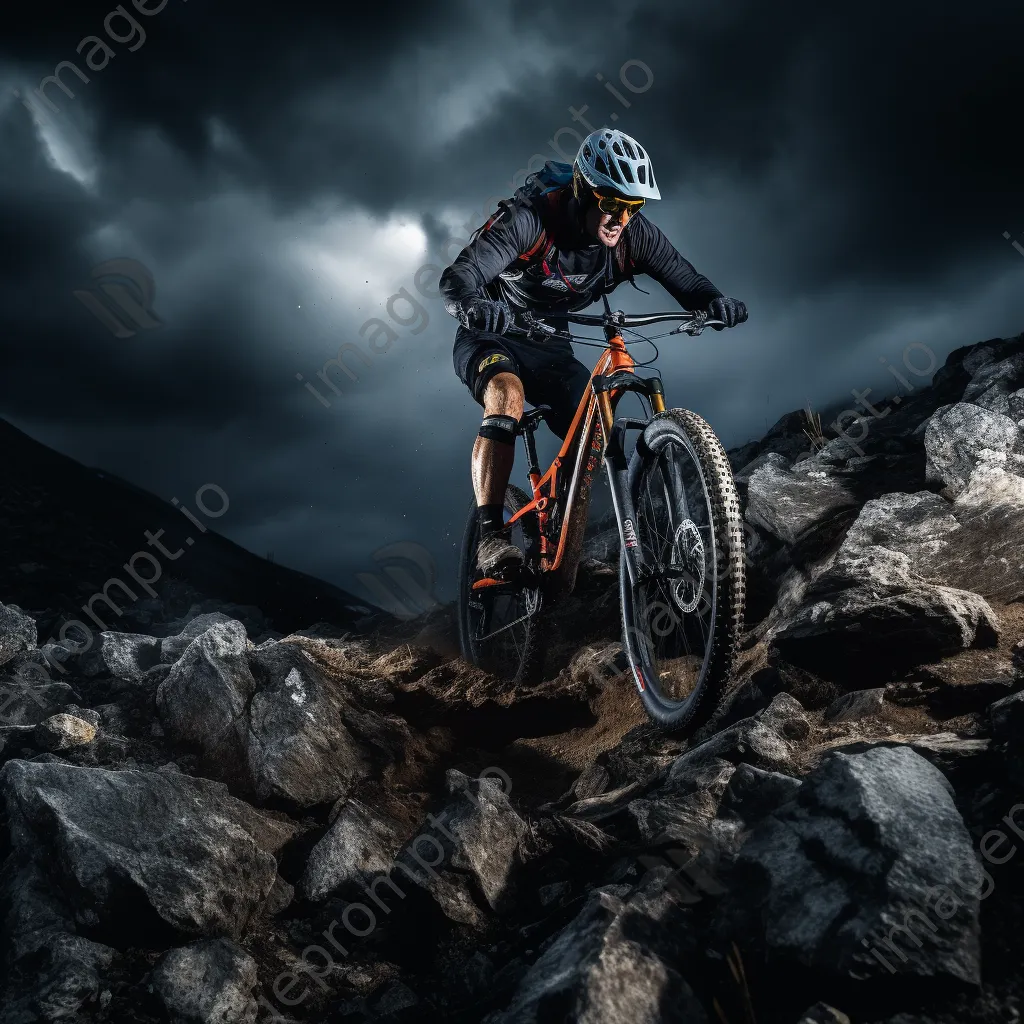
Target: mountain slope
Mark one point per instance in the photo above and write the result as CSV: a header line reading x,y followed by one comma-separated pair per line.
x,y
66,529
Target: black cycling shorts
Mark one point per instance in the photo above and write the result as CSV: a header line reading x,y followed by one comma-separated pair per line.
x,y
550,373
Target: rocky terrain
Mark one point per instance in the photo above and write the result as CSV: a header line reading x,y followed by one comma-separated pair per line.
x,y
213,818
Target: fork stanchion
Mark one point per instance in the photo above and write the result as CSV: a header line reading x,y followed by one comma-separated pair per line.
x,y
656,393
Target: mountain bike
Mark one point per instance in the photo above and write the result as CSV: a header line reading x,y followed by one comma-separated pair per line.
x,y
681,569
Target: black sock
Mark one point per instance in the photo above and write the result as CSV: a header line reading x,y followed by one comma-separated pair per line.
x,y
491,519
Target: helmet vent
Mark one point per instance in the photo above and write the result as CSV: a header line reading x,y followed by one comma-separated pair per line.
x,y
629,150
602,143
601,166
627,171
618,149
641,174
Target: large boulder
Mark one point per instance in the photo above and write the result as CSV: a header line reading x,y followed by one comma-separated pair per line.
x,y
960,438
872,610
868,871
796,505
136,851
278,721
976,542
207,982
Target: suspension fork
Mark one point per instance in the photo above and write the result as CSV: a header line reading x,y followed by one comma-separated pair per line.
x,y
617,468
616,465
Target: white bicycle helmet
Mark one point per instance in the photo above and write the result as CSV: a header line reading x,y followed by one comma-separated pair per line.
x,y
609,158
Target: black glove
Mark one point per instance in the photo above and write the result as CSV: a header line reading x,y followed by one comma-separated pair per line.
x,y
486,315
730,311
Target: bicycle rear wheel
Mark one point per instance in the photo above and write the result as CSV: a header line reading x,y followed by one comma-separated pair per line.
x,y
683,619
500,628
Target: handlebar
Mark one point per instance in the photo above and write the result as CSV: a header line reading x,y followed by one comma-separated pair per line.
x,y
612,321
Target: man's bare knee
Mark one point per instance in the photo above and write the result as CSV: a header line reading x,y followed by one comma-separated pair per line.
x,y
503,396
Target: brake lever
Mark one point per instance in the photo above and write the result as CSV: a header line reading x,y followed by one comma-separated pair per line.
x,y
533,324
696,326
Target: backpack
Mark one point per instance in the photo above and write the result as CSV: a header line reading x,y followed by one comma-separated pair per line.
x,y
546,190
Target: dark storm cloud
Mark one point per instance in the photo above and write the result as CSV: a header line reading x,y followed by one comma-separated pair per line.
x,y
849,174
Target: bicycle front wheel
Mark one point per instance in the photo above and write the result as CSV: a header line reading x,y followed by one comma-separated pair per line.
x,y
500,628
683,617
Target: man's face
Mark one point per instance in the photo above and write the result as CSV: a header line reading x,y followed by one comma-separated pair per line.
x,y
606,227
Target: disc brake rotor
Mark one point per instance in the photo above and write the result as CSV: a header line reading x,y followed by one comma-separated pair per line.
x,y
688,550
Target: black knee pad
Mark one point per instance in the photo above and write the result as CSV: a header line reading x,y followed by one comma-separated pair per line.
x,y
502,429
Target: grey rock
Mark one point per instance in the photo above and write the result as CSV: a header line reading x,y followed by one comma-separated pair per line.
x,y
871,850
127,656
360,843
18,632
991,557
682,808
974,543
281,897
992,384
65,972
277,721
171,847
207,982
476,844
63,731
28,695
172,647
615,963
960,438
794,505
873,610
767,740
921,526
857,704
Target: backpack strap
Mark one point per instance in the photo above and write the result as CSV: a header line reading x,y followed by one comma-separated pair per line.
x,y
624,261
547,204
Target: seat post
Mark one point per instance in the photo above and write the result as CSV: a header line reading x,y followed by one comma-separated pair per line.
x,y
528,427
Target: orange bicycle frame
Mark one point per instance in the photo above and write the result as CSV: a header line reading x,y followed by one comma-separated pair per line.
x,y
584,446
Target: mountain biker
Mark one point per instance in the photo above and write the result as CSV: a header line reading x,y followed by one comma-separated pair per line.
x,y
559,253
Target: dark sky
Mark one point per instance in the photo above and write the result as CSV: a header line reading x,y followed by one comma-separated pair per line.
x,y
849,171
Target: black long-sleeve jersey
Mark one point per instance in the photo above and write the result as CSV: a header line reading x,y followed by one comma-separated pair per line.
x,y
572,269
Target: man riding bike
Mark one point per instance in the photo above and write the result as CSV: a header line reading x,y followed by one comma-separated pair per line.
x,y
559,253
